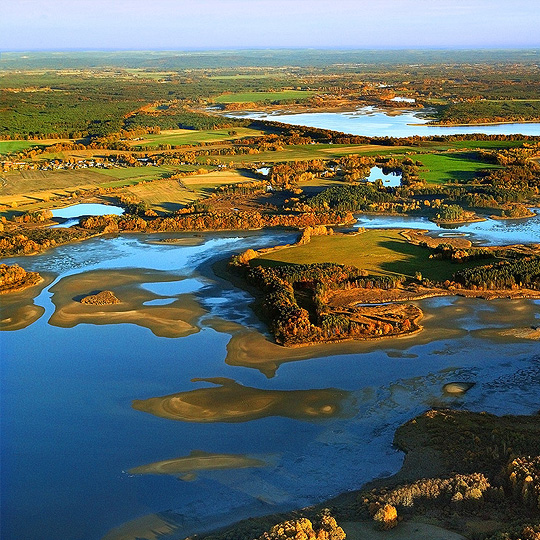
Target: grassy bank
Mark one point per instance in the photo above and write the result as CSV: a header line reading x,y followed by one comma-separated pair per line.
x,y
381,251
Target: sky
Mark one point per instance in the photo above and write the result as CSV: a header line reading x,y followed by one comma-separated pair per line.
x,y
230,24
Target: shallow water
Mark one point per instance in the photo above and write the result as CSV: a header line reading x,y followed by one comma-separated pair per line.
x,y
490,231
321,419
373,122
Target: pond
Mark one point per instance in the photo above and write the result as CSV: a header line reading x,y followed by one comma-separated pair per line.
x,y
373,122
171,412
390,179
70,215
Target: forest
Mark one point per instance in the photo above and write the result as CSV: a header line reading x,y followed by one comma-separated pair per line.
x,y
286,287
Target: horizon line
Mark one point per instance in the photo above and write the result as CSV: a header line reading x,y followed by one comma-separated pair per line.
x,y
256,49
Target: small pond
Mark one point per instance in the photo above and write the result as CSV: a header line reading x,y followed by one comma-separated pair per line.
x,y
70,215
389,180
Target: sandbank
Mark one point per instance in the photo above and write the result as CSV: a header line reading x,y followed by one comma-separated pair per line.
x,y
197,461
176,319
232,402
17,309
250,348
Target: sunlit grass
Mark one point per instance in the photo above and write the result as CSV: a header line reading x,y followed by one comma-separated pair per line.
x,y
379,251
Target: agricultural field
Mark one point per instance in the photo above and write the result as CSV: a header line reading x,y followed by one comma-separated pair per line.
x,y
139,173
442,168
162,196
33,190
27,182
6,147
23,188
189,136
254,97
20,182
383,252
315,151
448,162
471,145
165,196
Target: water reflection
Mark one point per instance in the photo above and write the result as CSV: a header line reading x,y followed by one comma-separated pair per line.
x,y
133,287
70,215
232,402
389,180
186,467
519,321
86,209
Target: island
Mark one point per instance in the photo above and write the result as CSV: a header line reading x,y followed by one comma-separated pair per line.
x,y
333,287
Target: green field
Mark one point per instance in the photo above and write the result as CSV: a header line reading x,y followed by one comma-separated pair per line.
x,y
472,145
189,136
379,251
313,151
441,168
254,97
140,173
7,147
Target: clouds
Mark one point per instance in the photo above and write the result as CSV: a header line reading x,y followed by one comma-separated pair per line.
x,y
207,24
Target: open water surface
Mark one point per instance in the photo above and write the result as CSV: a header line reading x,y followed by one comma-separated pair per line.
x,y
373,122
488,232
252,438
94,408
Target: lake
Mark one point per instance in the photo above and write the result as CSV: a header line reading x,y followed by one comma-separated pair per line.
x,y
95,407
373,122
